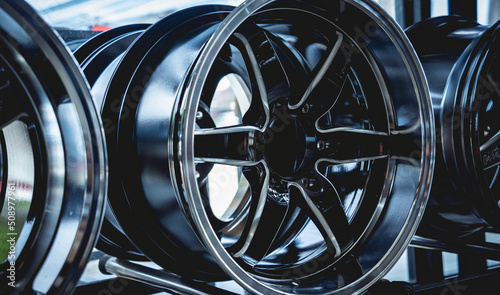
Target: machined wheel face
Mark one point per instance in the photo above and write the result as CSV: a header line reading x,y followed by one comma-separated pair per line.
x,y
52,161
294,141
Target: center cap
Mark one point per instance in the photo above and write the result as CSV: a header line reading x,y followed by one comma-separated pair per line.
x,y
286,147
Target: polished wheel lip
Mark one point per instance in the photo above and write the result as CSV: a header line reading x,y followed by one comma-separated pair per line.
x,y
191,96
91,189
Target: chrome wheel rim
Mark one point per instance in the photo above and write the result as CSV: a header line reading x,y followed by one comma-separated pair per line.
x,y
50,128
340,273
165,115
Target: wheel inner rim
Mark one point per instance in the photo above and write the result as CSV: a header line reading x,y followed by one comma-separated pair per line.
x,y
18,168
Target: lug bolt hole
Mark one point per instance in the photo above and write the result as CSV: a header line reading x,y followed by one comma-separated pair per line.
x,y
311,183
199,115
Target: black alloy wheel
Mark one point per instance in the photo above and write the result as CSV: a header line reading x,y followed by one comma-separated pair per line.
x,y
53,162
461,69
98,58
293,140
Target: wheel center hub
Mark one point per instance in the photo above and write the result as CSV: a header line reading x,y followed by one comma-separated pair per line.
x,y
286,147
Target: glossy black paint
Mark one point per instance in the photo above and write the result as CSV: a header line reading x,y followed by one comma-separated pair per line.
x,y
288,270
335,118
459,56
62,151
169,241
98,58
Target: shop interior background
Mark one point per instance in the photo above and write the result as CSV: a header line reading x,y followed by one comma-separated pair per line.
x,y
103,14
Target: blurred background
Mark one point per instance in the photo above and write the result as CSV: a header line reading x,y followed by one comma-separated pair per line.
x,y
100,15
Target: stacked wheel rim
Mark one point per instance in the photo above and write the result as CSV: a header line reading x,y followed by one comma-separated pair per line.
x,y
159,228
472,154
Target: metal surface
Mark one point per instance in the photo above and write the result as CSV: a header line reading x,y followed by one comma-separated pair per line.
x,y
53,162
288,145
157,278
299,155
460,66
159,227
98,57
350,269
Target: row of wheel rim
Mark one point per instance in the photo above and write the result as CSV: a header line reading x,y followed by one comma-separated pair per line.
x,y
286,145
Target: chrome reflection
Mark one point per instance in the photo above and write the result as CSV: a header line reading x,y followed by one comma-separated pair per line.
x,y
18,181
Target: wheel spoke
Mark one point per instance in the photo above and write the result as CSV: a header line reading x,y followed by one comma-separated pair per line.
x,y
321,202
226,145
295,67
264,218
348,145
406,146
258,112
331,71
491,142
